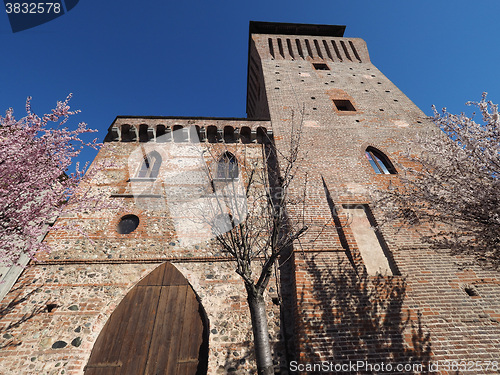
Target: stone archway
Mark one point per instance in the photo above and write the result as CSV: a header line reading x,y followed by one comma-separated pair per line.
x,y
158,328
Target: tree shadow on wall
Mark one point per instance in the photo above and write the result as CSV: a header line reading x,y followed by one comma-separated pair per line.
x,y
8,340
237,362
360,318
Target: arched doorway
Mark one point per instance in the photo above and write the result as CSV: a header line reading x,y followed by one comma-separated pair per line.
x,y
158,328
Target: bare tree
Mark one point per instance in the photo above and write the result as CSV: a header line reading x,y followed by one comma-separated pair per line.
x,y
454,184
251,222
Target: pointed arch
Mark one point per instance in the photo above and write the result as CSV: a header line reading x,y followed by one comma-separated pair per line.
x,y
150,167
379,161
160,327
227,167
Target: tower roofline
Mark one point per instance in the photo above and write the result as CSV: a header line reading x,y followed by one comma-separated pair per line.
x,y
257,27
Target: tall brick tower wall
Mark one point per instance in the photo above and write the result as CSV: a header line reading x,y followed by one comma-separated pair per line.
x,y
310,75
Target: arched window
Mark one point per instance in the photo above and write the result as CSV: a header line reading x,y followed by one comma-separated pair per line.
x,y
227,167
212,134
380,163
150,166
246,134
229,134
143,133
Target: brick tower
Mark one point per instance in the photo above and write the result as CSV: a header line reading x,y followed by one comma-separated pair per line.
x,y
110,301
356,124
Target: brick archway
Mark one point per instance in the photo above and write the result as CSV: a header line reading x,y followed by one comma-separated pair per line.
x,y
158,328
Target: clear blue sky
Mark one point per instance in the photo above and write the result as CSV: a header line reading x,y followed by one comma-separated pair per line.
x,y
189,58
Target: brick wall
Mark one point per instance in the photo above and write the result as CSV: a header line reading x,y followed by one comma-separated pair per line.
x,y
433,308
421,314
55,312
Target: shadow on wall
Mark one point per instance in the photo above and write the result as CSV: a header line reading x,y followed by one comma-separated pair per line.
x,y
8,337
238,361
360,317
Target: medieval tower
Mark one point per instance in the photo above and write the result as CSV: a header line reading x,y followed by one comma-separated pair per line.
x,y
147,291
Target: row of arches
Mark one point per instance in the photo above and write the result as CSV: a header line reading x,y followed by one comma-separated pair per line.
x,y
193,133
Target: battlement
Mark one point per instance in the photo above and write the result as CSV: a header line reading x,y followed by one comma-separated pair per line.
x,y
188,129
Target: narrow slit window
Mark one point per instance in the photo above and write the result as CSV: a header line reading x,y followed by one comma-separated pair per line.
x,y
327,49
318,49
344,47
299,48
290,50
271,47
337,52
309,50
354,50
379,162
280,48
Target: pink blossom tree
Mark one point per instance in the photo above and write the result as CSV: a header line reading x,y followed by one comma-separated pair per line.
x,y
34,181
454,184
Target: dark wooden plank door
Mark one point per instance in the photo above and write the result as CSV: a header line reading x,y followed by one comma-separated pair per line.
x,y
159,328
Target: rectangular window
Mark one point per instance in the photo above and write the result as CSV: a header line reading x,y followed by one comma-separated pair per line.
x,y
344,105
321,66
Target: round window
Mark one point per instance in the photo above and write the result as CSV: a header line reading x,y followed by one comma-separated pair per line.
x,y
128,224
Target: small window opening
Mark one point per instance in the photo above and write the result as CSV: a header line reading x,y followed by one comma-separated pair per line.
x,y
299,48
379,162
290,49
229,136
471,291
262,136
344,105
51,307
280,47
308,47
321,66
212,134
337,52
328,52
160,133
143,133
318,49
128,224
344,47
246,135
271,47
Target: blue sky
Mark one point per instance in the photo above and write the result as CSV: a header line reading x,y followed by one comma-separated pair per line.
x,y
189,58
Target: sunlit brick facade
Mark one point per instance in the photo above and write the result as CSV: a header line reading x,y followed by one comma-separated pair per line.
x,y
347,292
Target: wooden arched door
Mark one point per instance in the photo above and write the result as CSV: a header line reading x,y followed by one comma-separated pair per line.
x,y
158,328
